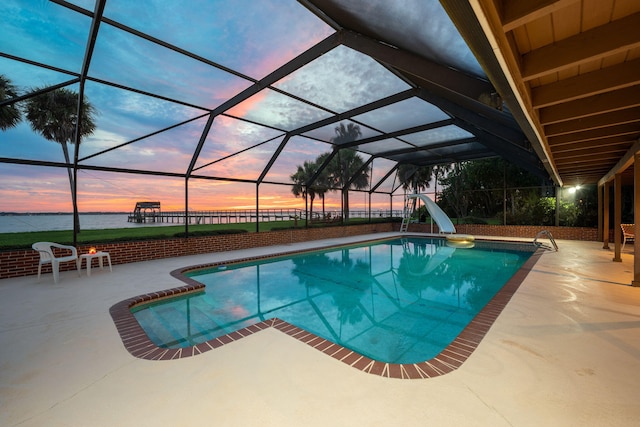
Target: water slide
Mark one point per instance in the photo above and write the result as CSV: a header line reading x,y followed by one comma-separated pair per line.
x,y
444,222
442,254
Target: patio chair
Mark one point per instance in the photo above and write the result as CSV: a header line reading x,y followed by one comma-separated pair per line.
x,y
628,233
47,256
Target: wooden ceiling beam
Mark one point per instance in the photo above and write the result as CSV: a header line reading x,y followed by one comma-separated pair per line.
x,y
630,115
581,157
595,161
589,135
619,141
578,176
591,166
605,80
593,151
581,179
521,12
591,106
606,40
597,173
625,162
596,168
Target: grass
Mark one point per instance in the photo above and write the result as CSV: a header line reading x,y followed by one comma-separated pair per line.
x,y
26,239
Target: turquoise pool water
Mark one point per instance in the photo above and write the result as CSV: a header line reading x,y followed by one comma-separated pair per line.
x,y
395,301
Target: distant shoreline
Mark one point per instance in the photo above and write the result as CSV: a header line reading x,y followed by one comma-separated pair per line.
x,y
60,213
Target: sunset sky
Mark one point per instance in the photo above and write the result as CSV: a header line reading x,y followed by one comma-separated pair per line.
x,y
252,38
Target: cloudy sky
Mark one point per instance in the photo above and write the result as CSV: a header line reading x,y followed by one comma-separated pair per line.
x,y
248,39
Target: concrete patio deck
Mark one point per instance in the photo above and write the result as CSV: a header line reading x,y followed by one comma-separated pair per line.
x,y
564,352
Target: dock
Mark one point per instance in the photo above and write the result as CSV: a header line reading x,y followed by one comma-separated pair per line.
x,y
215,216
150,212
144,211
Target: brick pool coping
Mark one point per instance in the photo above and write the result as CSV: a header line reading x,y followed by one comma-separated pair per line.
x,y
451,358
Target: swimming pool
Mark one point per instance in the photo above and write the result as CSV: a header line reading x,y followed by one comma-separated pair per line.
x,y
399,301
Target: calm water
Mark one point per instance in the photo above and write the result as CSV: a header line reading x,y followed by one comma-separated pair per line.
x,y
397,301
22,223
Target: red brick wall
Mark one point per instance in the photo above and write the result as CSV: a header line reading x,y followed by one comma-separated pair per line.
x,y
25,262
525,231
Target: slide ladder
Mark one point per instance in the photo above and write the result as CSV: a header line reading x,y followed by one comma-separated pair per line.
x,y
549,236
406,214
404,225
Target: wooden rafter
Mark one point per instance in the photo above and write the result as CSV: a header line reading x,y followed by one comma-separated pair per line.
x,y
610,141
521,12
619,76
632,129
629,115
606,40
611,101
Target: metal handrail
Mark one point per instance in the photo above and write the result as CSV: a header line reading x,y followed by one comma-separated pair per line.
x,y
549,236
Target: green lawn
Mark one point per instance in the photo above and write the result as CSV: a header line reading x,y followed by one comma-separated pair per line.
x,y
26,239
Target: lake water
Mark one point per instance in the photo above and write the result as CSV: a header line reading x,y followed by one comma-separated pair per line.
x,y
19,223
49,222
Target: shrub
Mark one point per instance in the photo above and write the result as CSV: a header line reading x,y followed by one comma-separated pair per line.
x,y
473,220
202,233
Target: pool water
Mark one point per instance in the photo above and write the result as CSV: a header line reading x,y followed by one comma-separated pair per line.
x,y
395,301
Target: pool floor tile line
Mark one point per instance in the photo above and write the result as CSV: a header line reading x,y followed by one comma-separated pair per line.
x,y
137,342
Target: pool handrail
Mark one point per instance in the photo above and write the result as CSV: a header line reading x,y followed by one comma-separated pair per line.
x,y
549,236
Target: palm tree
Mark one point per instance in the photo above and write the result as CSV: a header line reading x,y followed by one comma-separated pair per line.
x,y
348,133
439,173
9,114
414,178
346,163
54,114
300,180
322,182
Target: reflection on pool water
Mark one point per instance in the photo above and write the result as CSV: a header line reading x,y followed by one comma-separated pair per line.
x,y
395,301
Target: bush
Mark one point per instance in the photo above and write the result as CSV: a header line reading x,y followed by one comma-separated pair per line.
x,y
473,220
292,227
202,233
534,211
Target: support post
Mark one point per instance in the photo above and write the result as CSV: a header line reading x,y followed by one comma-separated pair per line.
x,y
257,208
636,219
558,192
74,200
605,217
186,207
600,208
306,207
391,206
617,214
504,194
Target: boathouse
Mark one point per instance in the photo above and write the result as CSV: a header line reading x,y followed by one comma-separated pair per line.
x,y
145,212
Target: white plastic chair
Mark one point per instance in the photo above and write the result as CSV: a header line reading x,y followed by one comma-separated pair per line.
x,y
47,256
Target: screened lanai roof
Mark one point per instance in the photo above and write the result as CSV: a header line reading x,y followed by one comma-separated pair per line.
x,y
245,90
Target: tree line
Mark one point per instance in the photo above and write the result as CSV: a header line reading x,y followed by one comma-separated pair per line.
x,y
480,191
345,169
